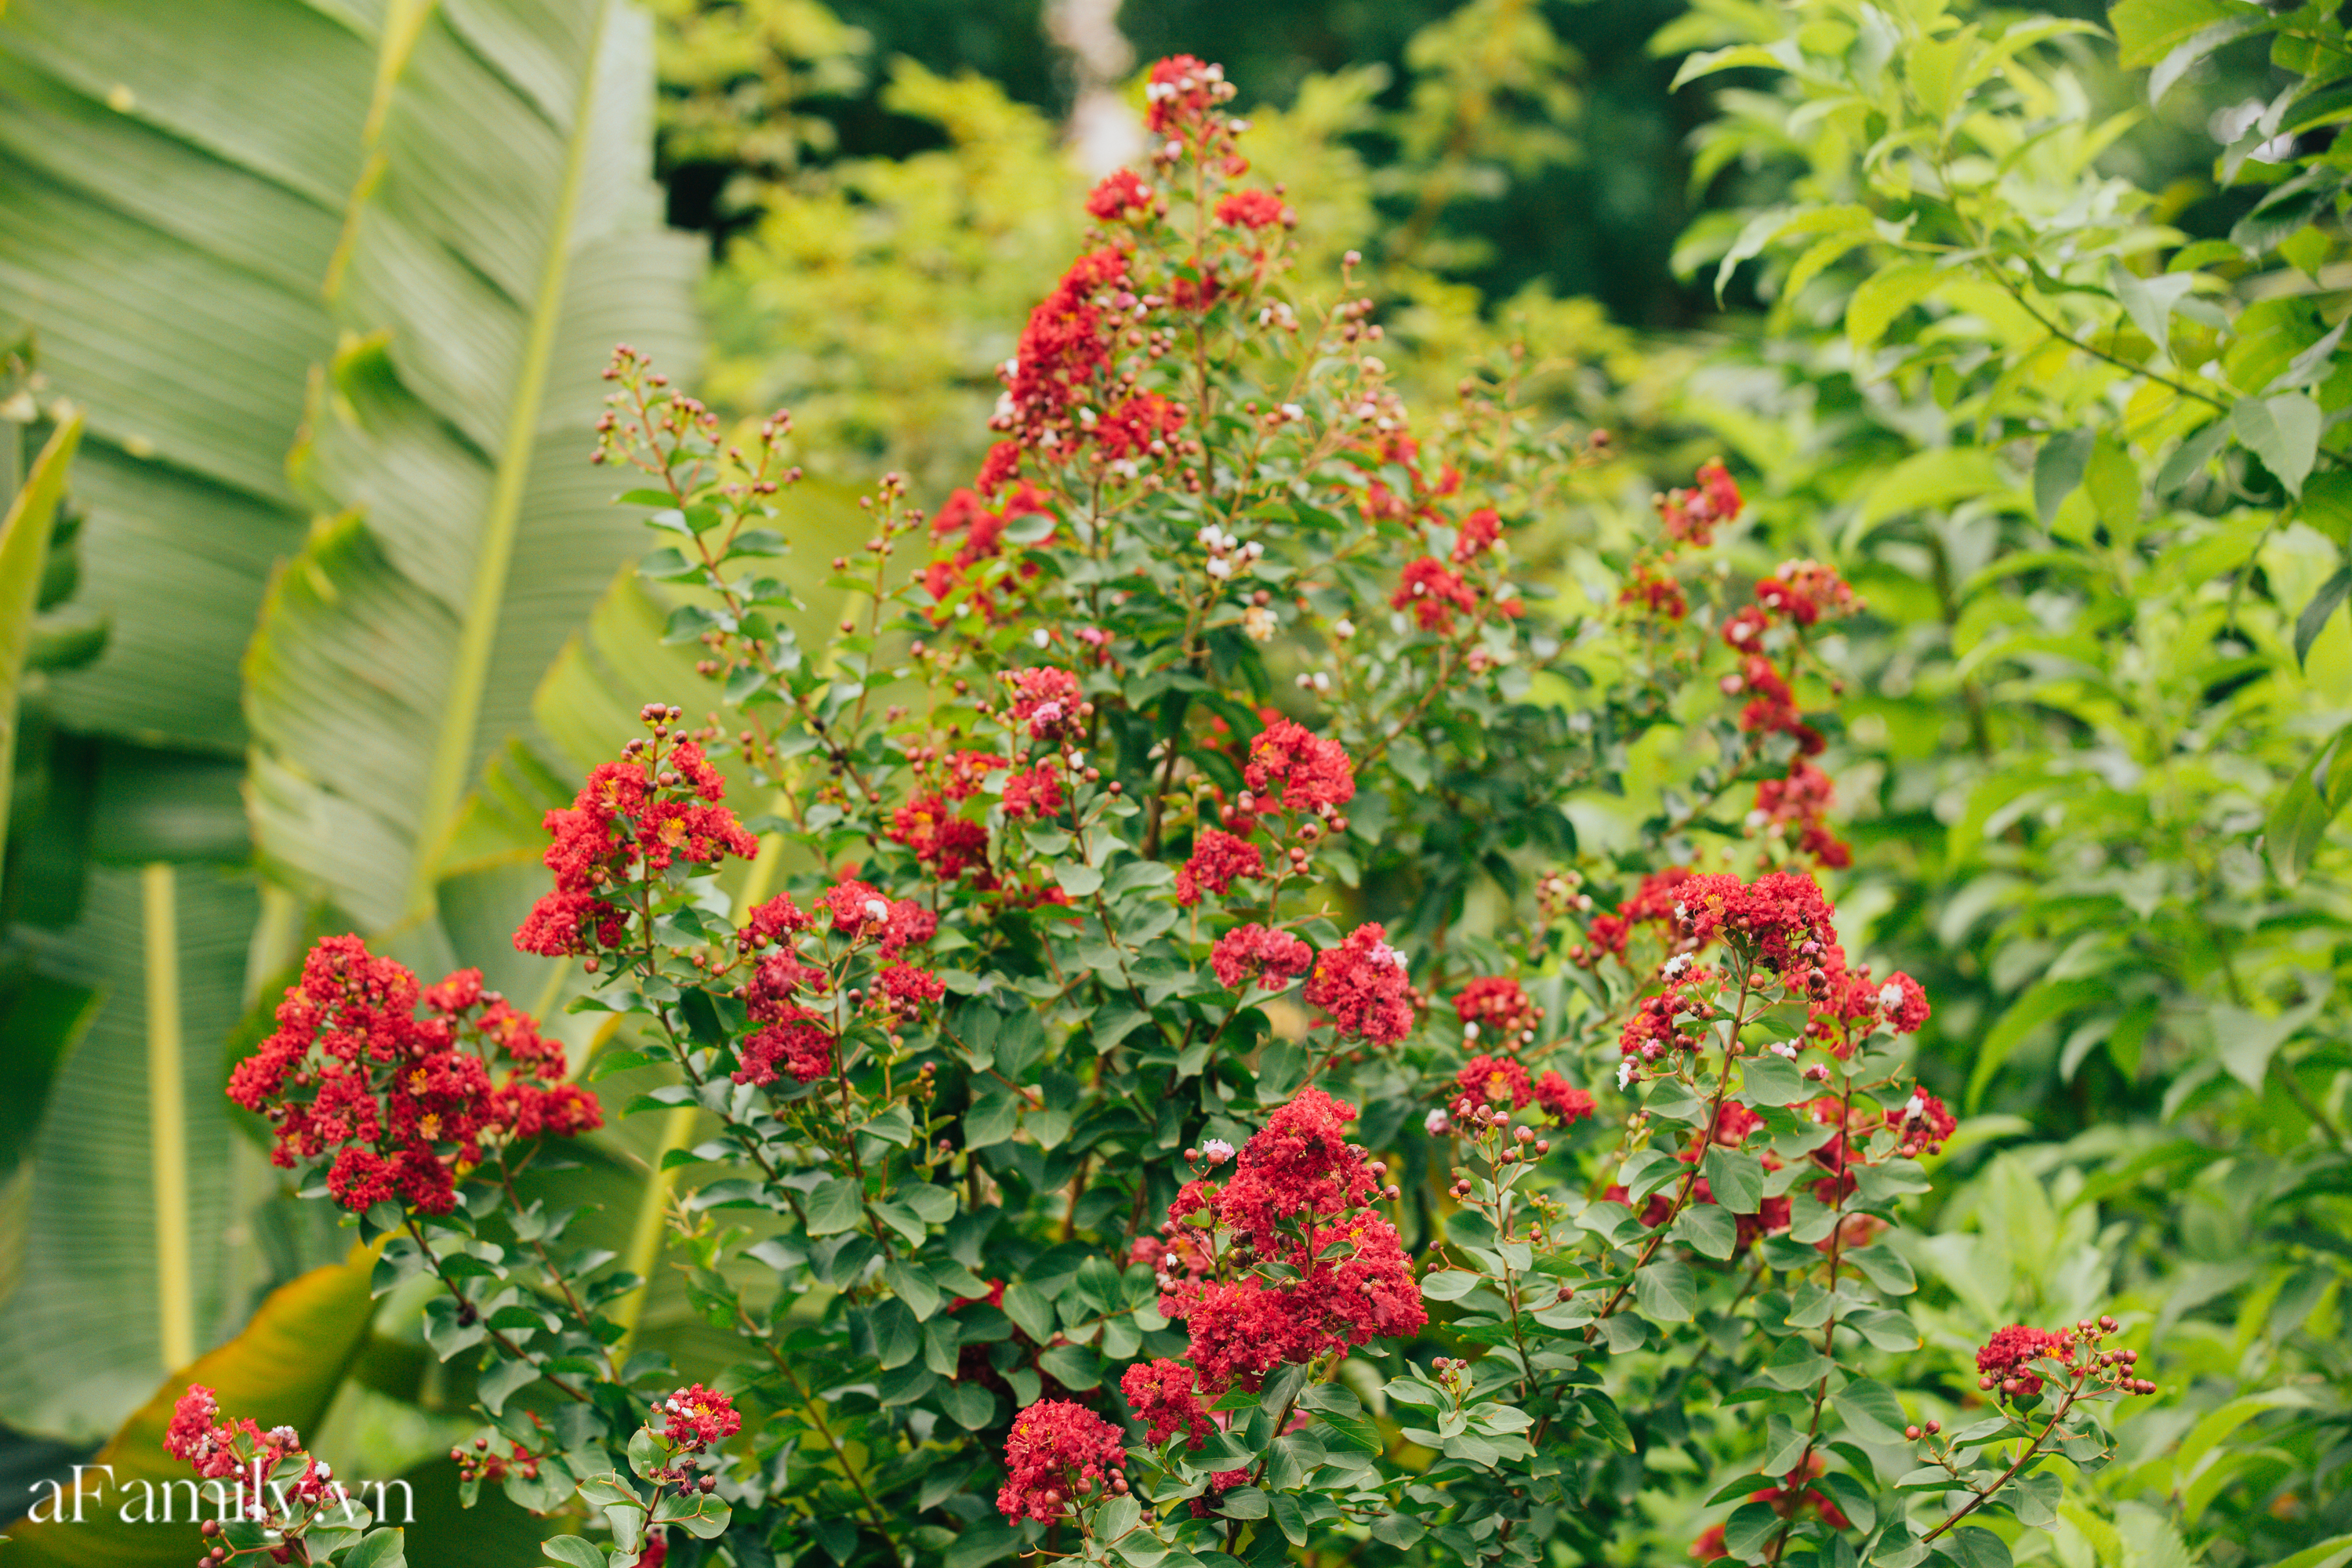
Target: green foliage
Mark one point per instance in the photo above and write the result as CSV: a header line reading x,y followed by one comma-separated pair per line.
x,y
2094,465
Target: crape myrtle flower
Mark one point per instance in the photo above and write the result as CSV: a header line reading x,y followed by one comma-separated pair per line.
x,y
1060,1453
1361,987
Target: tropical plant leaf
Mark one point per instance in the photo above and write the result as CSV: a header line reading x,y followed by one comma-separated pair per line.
x,y
510,236
282,1369
81,1340
24,552
207,163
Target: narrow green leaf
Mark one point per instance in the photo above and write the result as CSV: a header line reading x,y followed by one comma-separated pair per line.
x,y
2313,618
24,552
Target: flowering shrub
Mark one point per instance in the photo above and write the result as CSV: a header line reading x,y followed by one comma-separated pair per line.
x,y
1192,1099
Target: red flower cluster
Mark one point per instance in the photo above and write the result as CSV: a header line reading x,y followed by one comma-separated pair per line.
x,y
696,1417
1433,592
1059,1452
1692,516
947,845
1036,793
1493,1080
1182,98
1291,770
1654,593
1121,197
1140,424
1497,1008
865,915
217,1448
402,1104
1805,591
1272,958
1218,860
1565,1104
1161,1393
1045,702
1253,209
1361,987
1477,534
1780,920
979,533
2005,1357
1063,355
1799,805
631,818
1300,1197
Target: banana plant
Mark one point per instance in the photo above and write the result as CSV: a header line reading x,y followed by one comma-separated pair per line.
x,y
396,238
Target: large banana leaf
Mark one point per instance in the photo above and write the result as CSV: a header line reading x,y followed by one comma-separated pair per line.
x,y
172,184
173,180
83,1337
509,235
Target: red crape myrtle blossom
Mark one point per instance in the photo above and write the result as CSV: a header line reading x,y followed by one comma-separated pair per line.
x,y
2005,1357
1218,861
1692,516
1433,592
1565,1102
1493,1080
1272,958
1060,1453
1780,920
1253,209
401,1105
1300,1194
238,1451
1121,197
1494,1007
2019,1359
696,1418
1161,1393
633,818
1292,770
1045,702
1361,987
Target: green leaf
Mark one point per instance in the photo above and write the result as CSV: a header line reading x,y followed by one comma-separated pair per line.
x,y
1706,1228
1736,1180
1933,478
1078,880
114,1212
2311,800
379,1549
837,1204
2058,469
2313,618
573,1553
1881,298
1886,1267
2183,56
2284,432
1448,1284
1664,1291
1872,1410
2044,1000
399,648
24,554
1771,1080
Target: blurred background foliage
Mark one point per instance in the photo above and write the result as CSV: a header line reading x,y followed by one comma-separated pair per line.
x,y
2028,320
